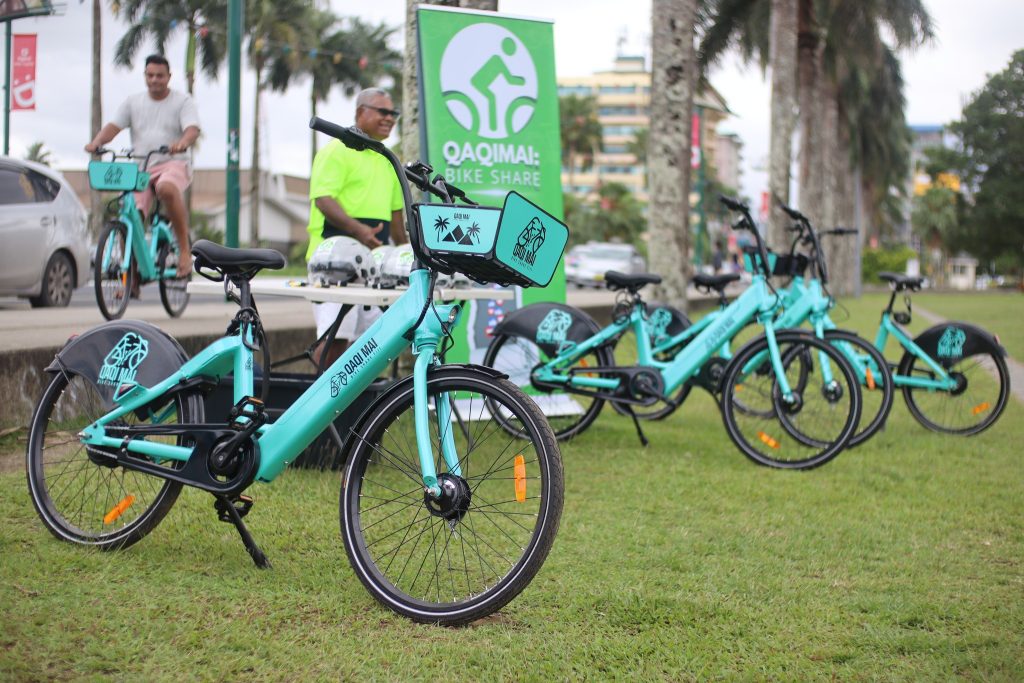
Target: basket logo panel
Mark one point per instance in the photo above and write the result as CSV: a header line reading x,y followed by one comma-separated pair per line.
x,y
121,364
489,81
951,344
457,229
531,239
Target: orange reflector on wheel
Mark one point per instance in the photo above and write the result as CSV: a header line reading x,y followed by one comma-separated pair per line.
x,y
870,378
769,441
981,408
519,473
118,509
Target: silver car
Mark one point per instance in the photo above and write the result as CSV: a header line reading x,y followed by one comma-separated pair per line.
x,y
44,233
586,264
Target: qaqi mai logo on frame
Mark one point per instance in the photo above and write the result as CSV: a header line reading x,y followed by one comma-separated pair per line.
x,y
489,81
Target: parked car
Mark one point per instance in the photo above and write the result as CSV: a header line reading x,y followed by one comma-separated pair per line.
x,y
586,264
44,233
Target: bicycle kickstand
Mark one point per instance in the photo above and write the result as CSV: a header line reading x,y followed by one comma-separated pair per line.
x,y
227,512
636,423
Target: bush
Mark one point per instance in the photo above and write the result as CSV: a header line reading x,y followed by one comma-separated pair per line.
x,y
883,259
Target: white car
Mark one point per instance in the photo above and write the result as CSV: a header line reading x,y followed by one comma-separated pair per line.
x,y
586,264
44,233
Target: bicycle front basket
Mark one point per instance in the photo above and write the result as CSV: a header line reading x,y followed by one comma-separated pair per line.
x,y
519,245
117,176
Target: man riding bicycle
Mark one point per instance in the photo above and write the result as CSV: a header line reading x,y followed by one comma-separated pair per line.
x,y
160,117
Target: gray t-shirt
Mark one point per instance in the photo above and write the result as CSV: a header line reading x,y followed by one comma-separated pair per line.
x,y
155,123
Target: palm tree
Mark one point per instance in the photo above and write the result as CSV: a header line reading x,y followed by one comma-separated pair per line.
x,y
581,131
277,30
205,22
473,232
37,154
440,224
673,81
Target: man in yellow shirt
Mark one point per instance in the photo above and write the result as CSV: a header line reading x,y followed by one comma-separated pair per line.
x,y
358,195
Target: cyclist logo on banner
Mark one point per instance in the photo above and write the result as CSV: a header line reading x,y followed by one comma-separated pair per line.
x,y
489,81
530,241
554,328
121,364
951,345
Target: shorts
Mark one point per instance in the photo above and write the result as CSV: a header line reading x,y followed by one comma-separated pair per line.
x,y
357,321
174,172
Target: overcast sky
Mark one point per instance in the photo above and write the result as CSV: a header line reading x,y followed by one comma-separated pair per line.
x,y
974,39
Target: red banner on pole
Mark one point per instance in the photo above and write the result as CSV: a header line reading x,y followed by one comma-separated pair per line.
x,y
23,72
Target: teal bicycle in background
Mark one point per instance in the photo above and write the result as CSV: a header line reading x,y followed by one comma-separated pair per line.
x,y
953,376
788,399
126,256
445,515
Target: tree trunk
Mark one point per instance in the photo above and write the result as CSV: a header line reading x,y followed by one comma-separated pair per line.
x,y
673,81
812,94
313,103
410,127
96,110
784,84
254,169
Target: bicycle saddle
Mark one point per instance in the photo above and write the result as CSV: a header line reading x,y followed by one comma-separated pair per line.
x,y
617,280
716,282
902,281
234,262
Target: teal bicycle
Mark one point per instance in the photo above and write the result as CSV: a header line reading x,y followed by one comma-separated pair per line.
x,y
788,399
953,376
445,516
126,256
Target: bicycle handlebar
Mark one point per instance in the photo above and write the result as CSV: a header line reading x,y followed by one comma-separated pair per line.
x,y
747,222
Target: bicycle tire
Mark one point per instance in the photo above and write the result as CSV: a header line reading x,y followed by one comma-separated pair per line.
x,y
76,493
113,285
782,441
953,412
568,413
877,389
173,291
502,539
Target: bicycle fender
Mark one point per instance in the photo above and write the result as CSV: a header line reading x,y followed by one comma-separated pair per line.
x,y
120,352
948,342
550,325
664,321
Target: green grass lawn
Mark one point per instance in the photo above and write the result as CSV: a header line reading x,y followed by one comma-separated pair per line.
x,y
900,560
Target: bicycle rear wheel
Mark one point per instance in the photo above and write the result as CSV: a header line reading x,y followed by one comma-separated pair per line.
x,y
983,387
173,290
81,495
804,433
568,413
112,282
465,556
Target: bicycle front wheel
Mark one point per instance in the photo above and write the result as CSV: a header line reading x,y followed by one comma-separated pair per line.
x,y
977,401
461,557
805,429
83,496
113,283
173,290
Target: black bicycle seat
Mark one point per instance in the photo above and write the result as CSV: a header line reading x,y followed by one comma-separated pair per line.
x,y
716,282
617,280
234,262
902,281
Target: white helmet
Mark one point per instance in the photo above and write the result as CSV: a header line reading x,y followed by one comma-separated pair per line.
x,y
339,261
380,255
453,281
396,267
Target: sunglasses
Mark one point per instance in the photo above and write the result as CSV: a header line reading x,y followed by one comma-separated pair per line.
x,y
393,113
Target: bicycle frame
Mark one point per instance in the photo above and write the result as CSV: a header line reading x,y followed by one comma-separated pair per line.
x,y
367,357
756,303
142,250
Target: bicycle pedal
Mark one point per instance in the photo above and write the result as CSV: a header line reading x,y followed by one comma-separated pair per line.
x,y
246,413
242,505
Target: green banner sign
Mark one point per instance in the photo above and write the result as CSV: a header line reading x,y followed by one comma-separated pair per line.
x,y
489,107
